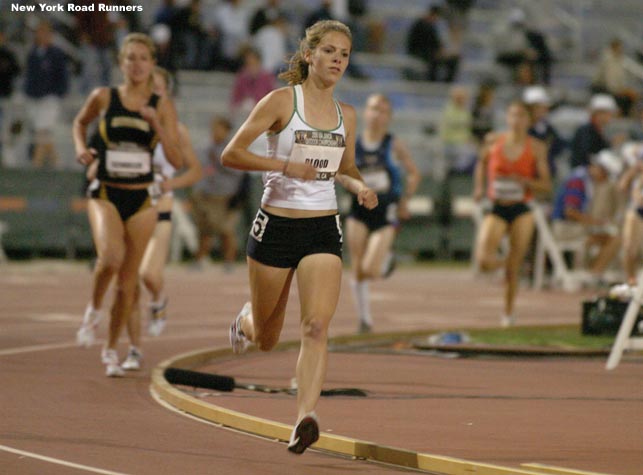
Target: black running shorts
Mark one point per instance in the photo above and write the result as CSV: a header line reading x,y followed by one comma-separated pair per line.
x,y
277,241
509,213
384,214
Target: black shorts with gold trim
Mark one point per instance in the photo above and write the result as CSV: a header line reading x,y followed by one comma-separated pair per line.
x,y
127,202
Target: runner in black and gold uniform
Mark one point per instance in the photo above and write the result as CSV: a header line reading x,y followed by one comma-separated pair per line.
x,y
122,217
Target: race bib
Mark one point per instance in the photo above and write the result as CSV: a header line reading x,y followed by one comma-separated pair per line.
x,y
322,150
377,180
508,189
127,163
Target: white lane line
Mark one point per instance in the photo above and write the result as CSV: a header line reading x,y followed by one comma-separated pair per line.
x,y
61,346
34,348
65,463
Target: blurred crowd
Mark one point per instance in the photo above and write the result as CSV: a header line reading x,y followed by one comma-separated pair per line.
x,y
253,43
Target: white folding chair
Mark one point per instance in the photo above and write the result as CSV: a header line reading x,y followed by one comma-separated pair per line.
x,y
547,246
624,341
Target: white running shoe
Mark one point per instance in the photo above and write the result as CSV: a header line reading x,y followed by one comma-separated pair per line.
x,y
238,340
158,318
110,360
305,434
133,360
86,334
507,321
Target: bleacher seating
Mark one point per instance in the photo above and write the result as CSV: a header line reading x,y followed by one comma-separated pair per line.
x,y
577,32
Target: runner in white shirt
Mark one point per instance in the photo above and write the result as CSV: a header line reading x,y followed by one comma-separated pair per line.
x,y
311,144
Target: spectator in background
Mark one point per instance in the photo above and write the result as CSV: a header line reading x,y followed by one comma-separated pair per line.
x,y
611,77
251,83
456,122
193,36
95,33
525,76
544,59
538,100
368,32
271,43
46,82
266,14
590,138
166,35
636,131
579,212
231,19
161,35
324,12
484,111
215,198
9,71
125,22
510,43
515,45
457,13
426,42
166,13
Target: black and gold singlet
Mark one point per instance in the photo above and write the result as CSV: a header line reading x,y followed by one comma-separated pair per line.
x,y
126,143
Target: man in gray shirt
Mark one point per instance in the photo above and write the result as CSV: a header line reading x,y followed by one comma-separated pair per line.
x,y
213,198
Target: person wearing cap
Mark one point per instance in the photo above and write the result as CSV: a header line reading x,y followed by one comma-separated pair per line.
x,y
590,138
577,212
426,41
538,100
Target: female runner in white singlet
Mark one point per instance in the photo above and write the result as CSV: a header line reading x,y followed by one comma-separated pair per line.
x,y
311,144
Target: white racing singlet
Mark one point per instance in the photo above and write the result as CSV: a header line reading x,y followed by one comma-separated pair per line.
x,y
163,169
302,143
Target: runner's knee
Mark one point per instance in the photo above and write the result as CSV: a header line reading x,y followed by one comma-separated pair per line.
x,y
486,262
314,329
110,261
370,272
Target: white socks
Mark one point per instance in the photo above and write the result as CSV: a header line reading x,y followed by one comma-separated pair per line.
x,y
158,304
92,316
362,301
